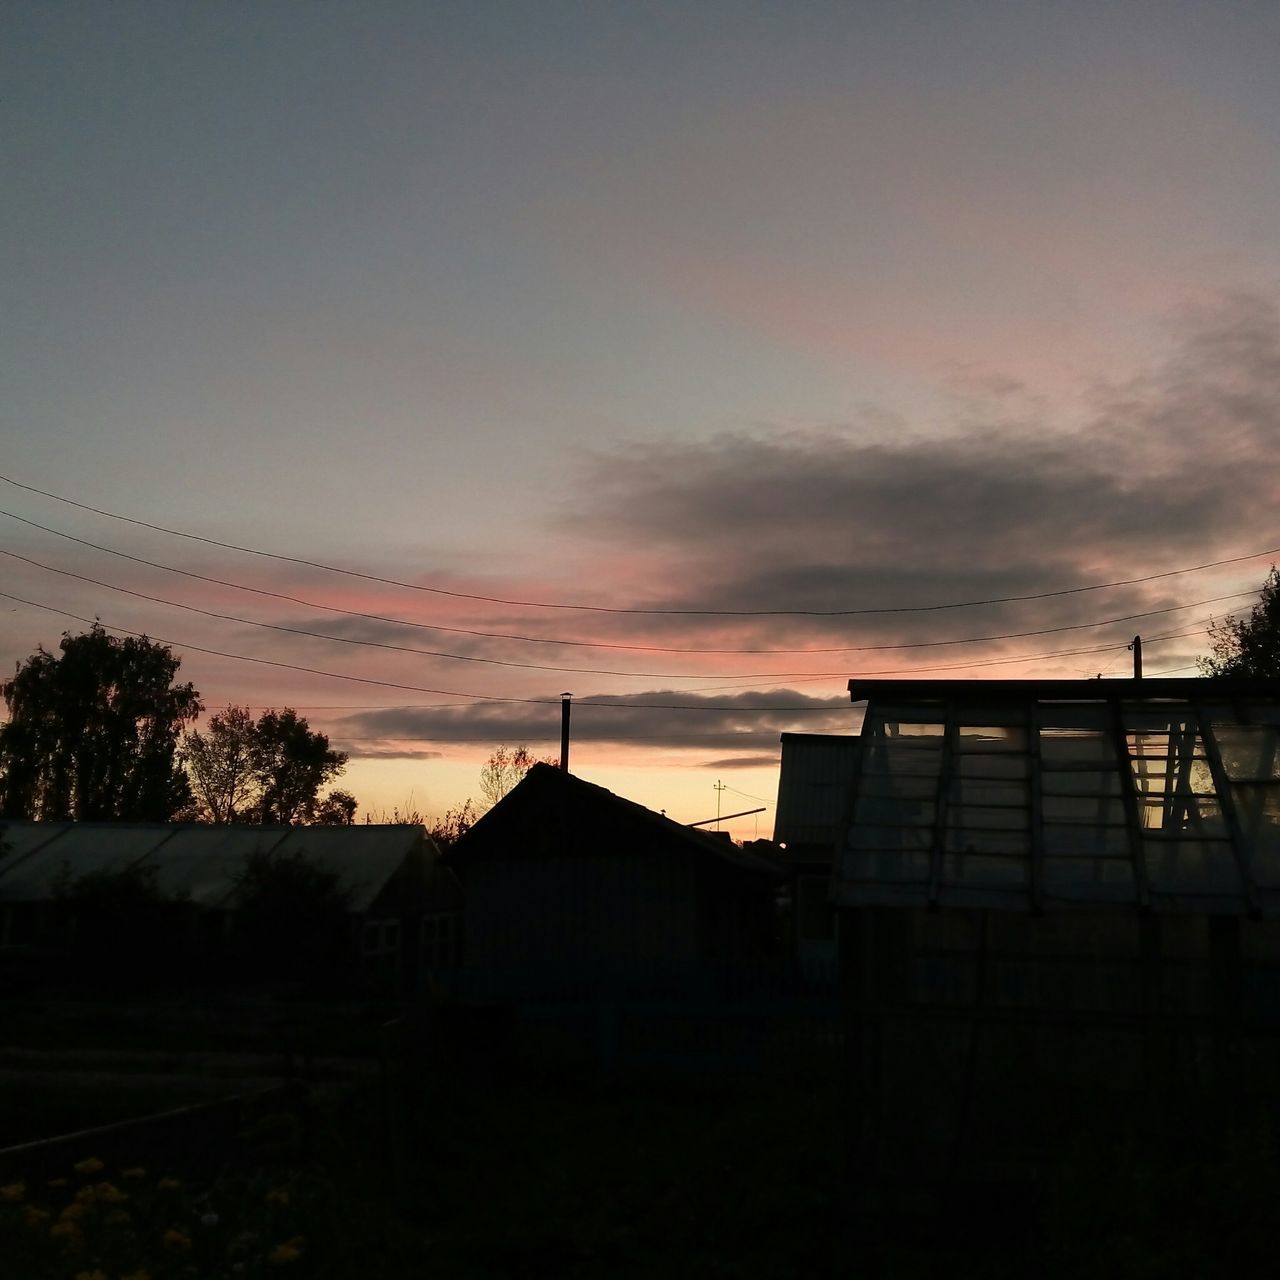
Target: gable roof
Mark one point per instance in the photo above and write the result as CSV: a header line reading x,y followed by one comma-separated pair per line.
x,y
1019,794
199,861
551,813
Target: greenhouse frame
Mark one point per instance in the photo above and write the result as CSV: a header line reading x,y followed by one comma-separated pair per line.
x,y
1057,901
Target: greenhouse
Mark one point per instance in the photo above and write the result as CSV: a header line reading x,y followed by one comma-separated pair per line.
x,y
1055,898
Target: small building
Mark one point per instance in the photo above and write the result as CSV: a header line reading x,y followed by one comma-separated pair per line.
x,y
1059,902
813,790
405,907
570,887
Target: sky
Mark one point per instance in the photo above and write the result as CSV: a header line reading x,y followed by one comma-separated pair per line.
x,y
686,358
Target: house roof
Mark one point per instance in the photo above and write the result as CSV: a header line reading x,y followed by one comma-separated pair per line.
x,y
553,813
200,862
1023,794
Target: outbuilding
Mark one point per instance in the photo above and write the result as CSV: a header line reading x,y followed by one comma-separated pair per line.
x,y
569,887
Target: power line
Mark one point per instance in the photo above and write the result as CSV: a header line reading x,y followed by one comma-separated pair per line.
x,y
398,648
582,702
500,662
414,688
594,608
595,644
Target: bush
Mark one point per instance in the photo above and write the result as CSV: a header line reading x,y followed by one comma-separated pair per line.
x,y
292,918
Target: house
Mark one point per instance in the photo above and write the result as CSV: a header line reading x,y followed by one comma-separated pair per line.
x,y
813,789
1058,904
570,887
404,906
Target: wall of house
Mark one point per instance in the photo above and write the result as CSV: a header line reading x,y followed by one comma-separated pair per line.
x,y
536,919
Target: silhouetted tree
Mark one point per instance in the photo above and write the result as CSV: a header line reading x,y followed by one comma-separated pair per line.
x,y
505,768
269,770
337,809
220,763
455,824
92,735
291,764
1248,646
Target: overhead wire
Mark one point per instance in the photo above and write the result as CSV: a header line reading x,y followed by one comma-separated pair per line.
x,y
650,612
494,635
493,698
411,688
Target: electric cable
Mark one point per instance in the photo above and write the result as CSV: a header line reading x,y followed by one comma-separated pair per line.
x,y
610,609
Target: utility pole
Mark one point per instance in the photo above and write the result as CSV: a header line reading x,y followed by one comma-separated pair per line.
x,y
565,699
720,787
1136,649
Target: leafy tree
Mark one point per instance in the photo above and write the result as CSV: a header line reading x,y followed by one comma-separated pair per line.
x,y
505,768
92,735
220,764
337,809
1248,646
270,770
291,764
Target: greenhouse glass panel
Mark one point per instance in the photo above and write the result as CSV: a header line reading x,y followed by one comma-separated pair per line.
x,y
981,871
995,767
1087,842
986,791
1083,809
886,865
973,840
1200,866
990,738
1248,751
1078,748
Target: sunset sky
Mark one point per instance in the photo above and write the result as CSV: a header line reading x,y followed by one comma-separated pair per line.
x,y
753,316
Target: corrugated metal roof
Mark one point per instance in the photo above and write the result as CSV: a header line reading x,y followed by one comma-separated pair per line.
x,y
1020,795
813,788
201,862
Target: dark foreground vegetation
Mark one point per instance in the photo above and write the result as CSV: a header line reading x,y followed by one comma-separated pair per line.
x,y
421,1158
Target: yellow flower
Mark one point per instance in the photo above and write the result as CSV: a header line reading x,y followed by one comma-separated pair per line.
x,y
57,1182
92,1275
168,1184
14,1192
284,1253
278,1195
64,1231
137,1172
91,1165
86,1195
73,1212
177,1239
33,1216
116,1218
109,1193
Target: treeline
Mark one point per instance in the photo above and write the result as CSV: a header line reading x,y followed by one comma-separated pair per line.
x,y
102,732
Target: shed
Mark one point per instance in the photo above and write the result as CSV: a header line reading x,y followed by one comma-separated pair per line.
x,y
568,886
1056,899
